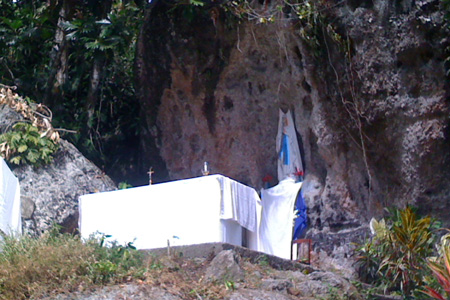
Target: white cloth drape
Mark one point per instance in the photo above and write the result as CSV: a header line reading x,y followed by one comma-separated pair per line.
x,y
254,240
277,218
286,127
10,214
238,203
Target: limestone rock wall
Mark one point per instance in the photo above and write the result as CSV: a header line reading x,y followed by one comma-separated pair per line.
x,y
373,118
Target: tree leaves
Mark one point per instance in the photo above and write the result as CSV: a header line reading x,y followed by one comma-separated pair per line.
x,y
22,148
30,58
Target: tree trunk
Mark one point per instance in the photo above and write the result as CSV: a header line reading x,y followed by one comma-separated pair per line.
x,y
100,12
59,66
94,86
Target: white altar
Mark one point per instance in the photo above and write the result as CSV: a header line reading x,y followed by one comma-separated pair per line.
x,y
206,209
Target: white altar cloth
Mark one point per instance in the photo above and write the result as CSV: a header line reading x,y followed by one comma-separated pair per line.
x,y
185,212
10,215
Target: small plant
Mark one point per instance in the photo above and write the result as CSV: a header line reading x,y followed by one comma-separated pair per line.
x,y
367,291
124,185
396,256
26,145
263,260
230,285
336,294
368,260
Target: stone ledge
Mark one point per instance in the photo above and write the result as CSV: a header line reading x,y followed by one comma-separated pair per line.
x,y
207,250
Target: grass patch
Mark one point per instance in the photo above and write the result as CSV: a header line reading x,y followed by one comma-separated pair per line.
x,y
57,263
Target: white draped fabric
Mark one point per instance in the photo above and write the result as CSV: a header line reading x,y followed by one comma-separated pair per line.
x,y
238,203
10,214
278,217
191,211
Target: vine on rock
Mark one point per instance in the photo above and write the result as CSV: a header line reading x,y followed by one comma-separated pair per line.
x,y
307,15
33,140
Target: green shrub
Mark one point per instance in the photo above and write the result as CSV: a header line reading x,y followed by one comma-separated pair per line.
x,y
395,258
26,145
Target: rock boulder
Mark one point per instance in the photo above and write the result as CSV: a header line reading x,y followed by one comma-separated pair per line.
x,y
49,194
225,267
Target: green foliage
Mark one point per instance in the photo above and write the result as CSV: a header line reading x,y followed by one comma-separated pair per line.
x,y
336,294
230,285
440,267
263,260
395,257
309,16
104,37
25,145
32,267
311,24
114,262
26,32
115,122
369,260
196,2
124,185
367,291
409,243
29,59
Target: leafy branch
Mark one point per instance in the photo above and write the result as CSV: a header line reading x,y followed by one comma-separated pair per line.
x,y
25,145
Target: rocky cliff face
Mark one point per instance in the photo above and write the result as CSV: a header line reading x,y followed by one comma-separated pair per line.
x,y
372,111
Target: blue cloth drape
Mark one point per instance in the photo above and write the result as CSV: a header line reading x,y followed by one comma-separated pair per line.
x,y
301,222
284,152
